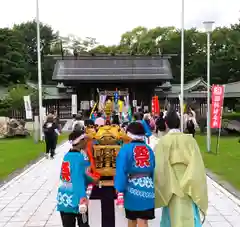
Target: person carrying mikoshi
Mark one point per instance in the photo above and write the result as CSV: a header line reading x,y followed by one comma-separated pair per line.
x,y
135,164
180,178
72,198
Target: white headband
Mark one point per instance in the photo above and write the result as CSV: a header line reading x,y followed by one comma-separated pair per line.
x,y
76,141
135,137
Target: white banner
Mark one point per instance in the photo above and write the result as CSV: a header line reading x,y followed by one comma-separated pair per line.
x,y
102,100
126,99
28,107
92,103
85,105
134,102
74,104
44,114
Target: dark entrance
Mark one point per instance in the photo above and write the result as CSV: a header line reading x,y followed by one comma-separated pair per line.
x,y
140,92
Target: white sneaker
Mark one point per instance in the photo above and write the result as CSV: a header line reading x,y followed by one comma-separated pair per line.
x,y
47,156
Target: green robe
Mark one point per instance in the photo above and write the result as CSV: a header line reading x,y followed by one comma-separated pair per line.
x,y
180,178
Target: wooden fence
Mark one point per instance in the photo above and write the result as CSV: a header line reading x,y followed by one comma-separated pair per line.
x,y
63,109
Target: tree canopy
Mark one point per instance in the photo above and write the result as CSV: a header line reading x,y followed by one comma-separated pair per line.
x,y
13,58
225,51
18,51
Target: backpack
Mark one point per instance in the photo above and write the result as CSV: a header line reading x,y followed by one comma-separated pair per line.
x,y
190,124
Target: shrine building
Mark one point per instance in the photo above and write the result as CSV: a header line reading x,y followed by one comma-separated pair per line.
x,y
136,76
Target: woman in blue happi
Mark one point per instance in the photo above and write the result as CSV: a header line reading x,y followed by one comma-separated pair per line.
x,y
74,178
135,165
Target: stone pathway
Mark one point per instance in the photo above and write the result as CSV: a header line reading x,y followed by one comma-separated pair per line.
x,y
29,200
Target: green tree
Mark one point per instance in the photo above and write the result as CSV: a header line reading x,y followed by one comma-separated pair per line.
x,y
16,93
28,37
226,54
225,50
13,58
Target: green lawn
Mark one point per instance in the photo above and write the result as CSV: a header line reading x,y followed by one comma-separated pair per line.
x,y
226,164
17,153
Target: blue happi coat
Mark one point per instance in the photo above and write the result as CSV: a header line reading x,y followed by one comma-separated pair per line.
x,y
135,165
73,181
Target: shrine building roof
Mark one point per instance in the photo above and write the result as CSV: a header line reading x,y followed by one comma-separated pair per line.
x,y
113,68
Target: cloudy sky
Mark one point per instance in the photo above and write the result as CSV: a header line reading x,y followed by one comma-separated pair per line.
x,y
106,20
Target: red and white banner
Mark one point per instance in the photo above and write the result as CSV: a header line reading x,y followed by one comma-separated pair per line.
x,y
155,105
217,105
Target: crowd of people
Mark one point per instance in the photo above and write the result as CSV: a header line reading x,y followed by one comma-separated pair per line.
x,y
155,122
172,176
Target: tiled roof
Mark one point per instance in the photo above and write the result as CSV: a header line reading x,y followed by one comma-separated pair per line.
x,y
176,88
113,68
232,90
50,91
232,87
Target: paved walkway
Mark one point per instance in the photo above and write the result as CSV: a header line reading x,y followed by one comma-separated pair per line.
x,y
29,200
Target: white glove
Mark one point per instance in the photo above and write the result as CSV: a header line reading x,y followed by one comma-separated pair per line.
x,y
82,208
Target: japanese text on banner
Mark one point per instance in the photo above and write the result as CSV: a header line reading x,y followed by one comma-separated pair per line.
x,y
217,104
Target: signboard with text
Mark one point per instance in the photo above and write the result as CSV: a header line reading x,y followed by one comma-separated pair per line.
x,y
217,105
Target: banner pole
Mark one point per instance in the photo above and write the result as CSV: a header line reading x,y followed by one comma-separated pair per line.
x,y
93,109
220,128
219,134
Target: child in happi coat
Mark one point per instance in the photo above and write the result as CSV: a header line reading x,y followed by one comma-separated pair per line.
x,y
72,199
135,165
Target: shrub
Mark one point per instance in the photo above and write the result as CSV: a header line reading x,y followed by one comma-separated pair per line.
x,y
232,116
14,99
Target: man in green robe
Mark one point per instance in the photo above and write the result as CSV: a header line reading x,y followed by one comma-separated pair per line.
x,y
180,178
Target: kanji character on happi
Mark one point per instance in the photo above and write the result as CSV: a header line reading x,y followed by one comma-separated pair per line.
x,y
135,165
77,175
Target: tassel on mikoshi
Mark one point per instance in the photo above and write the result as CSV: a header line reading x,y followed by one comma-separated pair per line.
x,y
89,190
120,200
